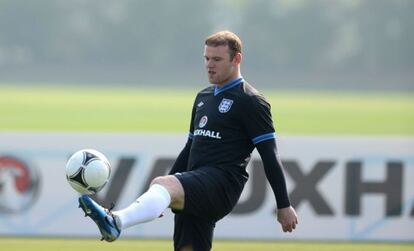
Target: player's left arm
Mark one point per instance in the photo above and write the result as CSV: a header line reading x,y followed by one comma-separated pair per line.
x,y
286,214
257,120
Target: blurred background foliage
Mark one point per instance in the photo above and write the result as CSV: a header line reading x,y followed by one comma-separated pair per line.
x,y
288,44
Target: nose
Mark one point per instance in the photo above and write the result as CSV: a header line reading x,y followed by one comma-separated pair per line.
x,y
209,64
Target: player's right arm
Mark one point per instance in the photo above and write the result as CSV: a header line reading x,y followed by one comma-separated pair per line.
x,y
181,163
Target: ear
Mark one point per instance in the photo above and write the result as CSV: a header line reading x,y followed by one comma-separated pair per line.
x,y
237,58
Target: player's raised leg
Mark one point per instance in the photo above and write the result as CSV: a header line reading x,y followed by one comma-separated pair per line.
x,y
164,192
102,217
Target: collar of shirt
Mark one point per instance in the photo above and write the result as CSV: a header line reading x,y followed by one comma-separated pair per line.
x,y
228,85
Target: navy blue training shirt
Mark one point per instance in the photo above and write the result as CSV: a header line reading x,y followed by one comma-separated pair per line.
x,y
226,123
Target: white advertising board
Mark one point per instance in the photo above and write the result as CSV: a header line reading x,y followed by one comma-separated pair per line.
x,y
343,188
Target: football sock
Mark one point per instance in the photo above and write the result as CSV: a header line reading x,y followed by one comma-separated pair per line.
x,y
147,207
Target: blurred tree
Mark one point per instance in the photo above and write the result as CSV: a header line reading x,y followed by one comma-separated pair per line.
x,y
95,38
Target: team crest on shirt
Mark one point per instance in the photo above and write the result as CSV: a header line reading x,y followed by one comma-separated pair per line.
x,y
225,105
203,121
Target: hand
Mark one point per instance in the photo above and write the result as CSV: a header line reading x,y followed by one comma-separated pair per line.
x,y
287,218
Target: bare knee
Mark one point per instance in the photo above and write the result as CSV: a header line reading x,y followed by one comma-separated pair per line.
x,y
174,187
167,181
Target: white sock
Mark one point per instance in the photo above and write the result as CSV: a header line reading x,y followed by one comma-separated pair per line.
x,y
147,207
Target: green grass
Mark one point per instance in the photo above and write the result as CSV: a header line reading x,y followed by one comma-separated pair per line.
x,y
33,244
168,110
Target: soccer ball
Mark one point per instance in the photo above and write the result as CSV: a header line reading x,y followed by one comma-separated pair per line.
x,y
87,171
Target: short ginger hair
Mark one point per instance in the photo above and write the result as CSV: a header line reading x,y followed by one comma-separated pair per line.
x,y
225,38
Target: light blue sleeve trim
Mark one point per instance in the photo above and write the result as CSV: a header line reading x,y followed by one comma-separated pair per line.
x,y
190,135
264,137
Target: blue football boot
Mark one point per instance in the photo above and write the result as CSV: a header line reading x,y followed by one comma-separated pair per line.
x,y
103,218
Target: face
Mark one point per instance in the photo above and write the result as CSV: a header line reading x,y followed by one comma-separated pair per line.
x,y
220,69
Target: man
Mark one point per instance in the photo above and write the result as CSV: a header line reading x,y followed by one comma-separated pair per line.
x,y
229,119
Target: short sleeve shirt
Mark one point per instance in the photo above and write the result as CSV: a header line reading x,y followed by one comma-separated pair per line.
x,y
226,124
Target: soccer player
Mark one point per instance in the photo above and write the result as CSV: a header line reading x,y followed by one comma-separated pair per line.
x,y
229,119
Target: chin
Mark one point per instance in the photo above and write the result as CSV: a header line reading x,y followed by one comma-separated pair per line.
x,y
212,80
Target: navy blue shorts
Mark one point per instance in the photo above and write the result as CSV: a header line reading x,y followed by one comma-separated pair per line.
x,y
210,194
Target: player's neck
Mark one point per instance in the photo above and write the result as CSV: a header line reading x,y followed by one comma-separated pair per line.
x,y
229,81
228,85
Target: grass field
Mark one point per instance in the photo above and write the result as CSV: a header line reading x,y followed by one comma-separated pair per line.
x,y
162,110
18,244
168,110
